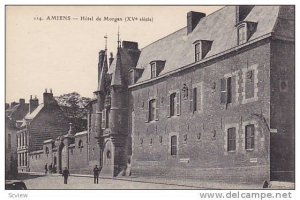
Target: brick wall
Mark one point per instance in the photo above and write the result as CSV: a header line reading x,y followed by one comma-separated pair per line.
x,y
202,134
49,124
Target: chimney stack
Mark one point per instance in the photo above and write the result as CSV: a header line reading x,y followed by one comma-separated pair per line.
x,y
33,104
48,98
242,12
22,101
193,19
13,104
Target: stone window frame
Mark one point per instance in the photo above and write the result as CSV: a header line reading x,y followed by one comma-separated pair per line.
x,y
148,109
201,92
256,135
169,145
255,82
237,137
235,75
177,104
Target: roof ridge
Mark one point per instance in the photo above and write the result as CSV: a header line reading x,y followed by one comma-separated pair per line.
x,y
181,28
162,38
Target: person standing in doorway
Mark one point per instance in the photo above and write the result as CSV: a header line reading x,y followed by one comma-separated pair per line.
x,y
96,174
66,174
46,168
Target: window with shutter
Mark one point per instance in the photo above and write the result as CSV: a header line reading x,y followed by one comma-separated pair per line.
x,y
172,104
195,101
157,109
223,91
147,113
231,139
173,145
249,137
229,90
152,110
178,102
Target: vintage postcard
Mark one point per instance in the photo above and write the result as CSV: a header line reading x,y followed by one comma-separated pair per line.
x,y
150,97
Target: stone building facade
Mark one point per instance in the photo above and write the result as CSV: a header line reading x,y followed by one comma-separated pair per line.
x,y
13,114
43,122
213,100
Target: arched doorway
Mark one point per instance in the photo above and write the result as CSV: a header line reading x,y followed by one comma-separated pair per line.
x,y
108,158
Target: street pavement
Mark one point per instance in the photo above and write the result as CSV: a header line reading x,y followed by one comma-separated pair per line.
x,y
79,181
75,182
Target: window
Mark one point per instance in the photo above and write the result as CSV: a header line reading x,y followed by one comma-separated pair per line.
x,y
249,137
153,70
151,142
242,34
152,110
197,52
195,99
172,104
173,145
226,90
231,139
107,118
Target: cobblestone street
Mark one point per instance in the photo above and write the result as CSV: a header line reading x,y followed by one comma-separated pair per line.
x,y
56,182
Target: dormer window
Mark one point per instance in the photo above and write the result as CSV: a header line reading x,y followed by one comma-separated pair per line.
x,y
153,70
242,34
245,30
156,67
197,52
202,47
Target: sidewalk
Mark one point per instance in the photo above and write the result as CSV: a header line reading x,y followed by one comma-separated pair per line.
x,y
193,183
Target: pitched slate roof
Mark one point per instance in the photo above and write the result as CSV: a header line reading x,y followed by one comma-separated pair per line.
x,y
220,27
36,111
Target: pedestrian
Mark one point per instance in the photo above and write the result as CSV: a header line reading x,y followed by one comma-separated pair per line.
x,y
66,174
50,168
46,168
54,168
96,174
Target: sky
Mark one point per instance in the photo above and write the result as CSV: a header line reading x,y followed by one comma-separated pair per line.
x,y
63,54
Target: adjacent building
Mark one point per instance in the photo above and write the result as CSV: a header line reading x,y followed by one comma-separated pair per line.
x,y
13,113
43,122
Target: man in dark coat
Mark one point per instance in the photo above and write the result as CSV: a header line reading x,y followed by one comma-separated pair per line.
x,y
50,168
66,174
96,174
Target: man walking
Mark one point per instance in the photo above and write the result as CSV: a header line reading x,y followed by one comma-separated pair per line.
x,y
96,174
66,174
